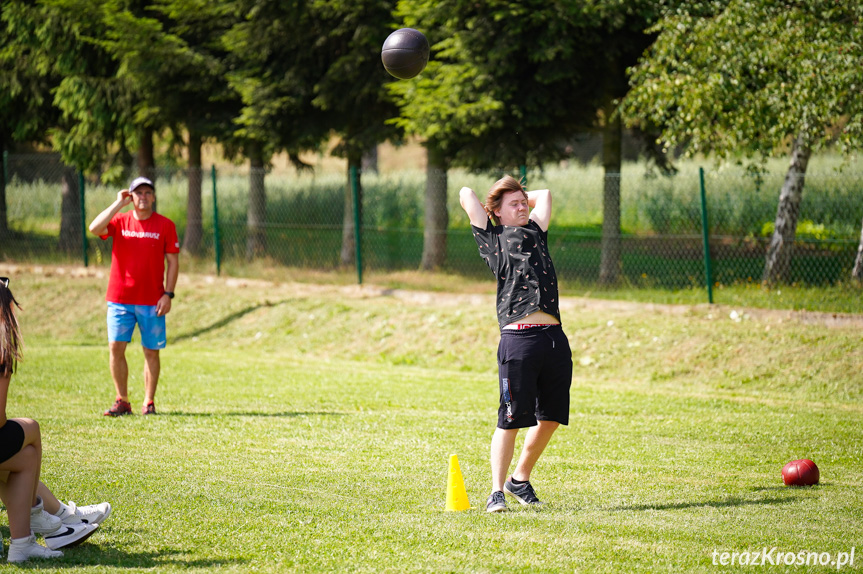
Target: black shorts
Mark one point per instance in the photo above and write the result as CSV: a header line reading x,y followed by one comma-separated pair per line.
x,y
535,373
11,440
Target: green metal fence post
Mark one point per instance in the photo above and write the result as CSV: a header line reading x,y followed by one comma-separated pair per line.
x,y
217,243
705,232
357,234
83,216
522,170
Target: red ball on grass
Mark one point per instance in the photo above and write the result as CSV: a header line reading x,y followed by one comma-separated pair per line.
x,y
801,472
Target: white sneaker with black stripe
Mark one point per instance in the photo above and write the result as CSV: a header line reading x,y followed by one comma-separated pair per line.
x,y
91,514
70,535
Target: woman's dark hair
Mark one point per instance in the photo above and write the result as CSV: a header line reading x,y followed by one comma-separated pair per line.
x,y
495,195
11,344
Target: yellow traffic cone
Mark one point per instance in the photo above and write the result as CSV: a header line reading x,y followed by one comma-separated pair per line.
x,y
456,495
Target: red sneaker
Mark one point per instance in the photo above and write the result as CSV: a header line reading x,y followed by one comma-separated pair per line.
x,y
149,409
119,408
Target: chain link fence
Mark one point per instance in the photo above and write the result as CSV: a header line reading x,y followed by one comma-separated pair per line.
x,y
305,220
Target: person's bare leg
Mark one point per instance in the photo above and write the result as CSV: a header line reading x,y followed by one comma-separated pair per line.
x,y
49,501
18,492
152,367
534,444
119,368
32,437
502,450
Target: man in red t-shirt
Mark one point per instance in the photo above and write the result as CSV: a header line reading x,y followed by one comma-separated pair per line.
x,y
143,242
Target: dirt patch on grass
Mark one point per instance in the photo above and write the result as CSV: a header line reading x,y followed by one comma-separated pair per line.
x,y
441,298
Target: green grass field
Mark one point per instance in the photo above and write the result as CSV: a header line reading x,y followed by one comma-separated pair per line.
x,y
308,428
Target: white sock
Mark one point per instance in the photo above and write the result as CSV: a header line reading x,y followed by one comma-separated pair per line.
x,y
21,541
64,511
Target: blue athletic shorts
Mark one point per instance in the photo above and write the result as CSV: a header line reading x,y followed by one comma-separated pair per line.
x,y
535,368
122,320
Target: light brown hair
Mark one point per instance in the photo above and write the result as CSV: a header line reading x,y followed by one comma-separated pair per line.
x,y
495,195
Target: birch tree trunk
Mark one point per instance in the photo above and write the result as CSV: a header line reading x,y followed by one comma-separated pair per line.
x,y
779,252
436,215
612,132
857,272
256,238
349,243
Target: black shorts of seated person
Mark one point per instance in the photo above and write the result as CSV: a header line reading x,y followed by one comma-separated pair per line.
x,y
535,373
11,440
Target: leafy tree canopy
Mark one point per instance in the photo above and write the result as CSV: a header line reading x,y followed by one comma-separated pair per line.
x,y
26,108
748,76
509,82
351,90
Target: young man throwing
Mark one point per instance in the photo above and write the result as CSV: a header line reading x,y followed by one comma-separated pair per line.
x,y
534,358
139,289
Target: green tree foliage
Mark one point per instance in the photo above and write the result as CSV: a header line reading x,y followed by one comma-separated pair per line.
x,y
306,70
26,109
25,73
97,105
745,77
273,64
351,90
752,78
45,43
510,83
174,57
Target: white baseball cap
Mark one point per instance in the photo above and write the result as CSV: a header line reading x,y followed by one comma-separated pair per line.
x,y
139,181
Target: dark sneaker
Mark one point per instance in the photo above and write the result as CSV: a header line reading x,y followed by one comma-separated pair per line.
x,y
149,409
523,493
496,502
119,408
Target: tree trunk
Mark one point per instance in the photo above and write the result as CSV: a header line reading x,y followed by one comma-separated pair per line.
x,y
194,213
349,245
436,216
70,213
612,135
147,161
778,261
256,239
857,272
147,156
370,160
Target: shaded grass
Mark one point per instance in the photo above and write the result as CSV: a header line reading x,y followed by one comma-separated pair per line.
x,y
308,428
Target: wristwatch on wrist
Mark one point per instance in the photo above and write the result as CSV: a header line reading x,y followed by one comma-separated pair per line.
x,y
170,294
